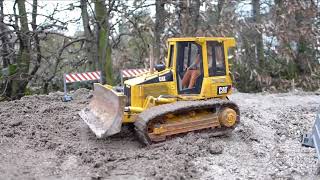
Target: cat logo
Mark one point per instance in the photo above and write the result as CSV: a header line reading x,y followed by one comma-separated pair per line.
x,y
162,78
222,89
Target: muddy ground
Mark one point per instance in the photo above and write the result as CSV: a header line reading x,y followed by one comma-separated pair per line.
x,y
44,138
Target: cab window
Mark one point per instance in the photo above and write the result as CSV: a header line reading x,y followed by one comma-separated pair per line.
x,y
216,59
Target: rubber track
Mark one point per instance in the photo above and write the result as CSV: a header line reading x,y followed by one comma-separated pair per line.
x,y
181,106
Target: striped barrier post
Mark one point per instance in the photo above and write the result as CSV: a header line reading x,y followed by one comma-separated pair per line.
x,y
131,73
79,77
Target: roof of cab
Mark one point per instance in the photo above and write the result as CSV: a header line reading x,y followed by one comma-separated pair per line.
x,y
200,39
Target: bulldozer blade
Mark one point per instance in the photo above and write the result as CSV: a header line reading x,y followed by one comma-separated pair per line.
x,y
105,111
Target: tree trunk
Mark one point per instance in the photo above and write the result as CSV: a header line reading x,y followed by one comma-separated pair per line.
x,y
4,39
89,44
104,48
24,51
195,14
221,3
20,82
36,37
159,26
258,34
301,59
188,16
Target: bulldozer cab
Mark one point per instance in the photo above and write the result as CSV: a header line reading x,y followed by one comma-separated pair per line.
x,y
195,61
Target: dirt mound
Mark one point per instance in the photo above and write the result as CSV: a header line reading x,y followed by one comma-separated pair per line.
x,y
42,137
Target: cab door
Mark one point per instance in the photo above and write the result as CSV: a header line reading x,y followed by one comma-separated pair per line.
x,y
189,68
217,68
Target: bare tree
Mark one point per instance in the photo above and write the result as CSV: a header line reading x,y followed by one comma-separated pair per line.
x,y
158,29
104,48
36,38
5,39
188,13
90,45
258,32
19,83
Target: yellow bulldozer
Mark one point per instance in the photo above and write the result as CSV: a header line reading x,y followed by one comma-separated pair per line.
x,y
187,93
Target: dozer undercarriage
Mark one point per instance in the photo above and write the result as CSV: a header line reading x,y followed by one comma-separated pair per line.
x,y
160,122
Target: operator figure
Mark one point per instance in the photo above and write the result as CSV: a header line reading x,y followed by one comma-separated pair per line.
x,y
190,77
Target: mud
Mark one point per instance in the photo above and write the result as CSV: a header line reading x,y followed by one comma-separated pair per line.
x,y
44,138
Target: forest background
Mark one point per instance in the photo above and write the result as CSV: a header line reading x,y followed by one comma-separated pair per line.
x,y
278,41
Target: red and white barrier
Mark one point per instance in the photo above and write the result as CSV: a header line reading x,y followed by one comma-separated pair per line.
x,y
130,73
78,77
